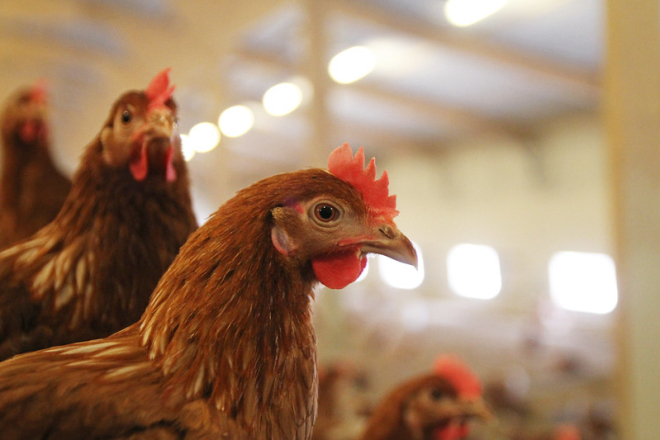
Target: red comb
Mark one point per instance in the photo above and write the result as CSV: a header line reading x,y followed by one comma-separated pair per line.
x,y
159,90
351,169
463,379
39,92
567,432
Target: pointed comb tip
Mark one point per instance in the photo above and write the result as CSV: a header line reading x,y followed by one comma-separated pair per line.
x,y
351,169
159,90
159,82
39,90
463,379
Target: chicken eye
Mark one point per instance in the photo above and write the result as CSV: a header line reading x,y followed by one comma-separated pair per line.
x,y
325,212
126,117
435,394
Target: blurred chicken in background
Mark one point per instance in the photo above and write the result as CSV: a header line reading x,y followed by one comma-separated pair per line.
x,y
90,272
32,189
435,406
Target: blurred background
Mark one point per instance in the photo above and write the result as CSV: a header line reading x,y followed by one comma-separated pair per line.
x,y
488,118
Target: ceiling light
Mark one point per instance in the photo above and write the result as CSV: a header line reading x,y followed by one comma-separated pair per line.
x,y
466,12
474,271
187,148
401,275
236,121
584,282
352,64
204,137
282,99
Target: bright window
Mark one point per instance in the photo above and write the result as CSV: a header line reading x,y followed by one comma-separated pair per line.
x,y
401,275
474,271
584,282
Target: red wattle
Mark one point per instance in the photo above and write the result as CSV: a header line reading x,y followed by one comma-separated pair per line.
x,y
139,165
453,431
28,131
337,271
170,172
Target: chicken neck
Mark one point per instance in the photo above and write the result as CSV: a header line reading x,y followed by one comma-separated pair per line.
x,y
233,325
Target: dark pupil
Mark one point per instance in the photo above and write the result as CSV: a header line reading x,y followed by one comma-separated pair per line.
x,y
436,394
126,116
326,212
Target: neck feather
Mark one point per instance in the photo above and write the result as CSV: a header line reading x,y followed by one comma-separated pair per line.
x,y
231,322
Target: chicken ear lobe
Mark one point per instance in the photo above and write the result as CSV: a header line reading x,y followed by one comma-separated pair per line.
x,y
282,241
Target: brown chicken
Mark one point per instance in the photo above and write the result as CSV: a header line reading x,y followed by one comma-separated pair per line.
x,y
226,348
32,189
90,272
434,406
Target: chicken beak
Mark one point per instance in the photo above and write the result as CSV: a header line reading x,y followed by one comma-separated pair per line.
x,y
474,408
391,243
156,139
160,124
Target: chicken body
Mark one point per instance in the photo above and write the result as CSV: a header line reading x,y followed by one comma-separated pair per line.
x,y
32,189
90,272
226,348
428,407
